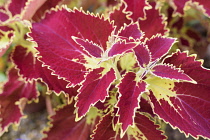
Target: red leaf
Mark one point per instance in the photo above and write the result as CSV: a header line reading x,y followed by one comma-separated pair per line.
x,y
130,91
3,15
159,46
13,91
94,88
26,63
64,126
148,128
143,55
137,8
190,66
145,107
130,32
153,24
120,17
57,48
16,7
189,110
90,47
104,130
31,68
167,71
189,113
120,48
180,5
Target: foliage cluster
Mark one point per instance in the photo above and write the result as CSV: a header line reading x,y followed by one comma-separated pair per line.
x,y
111,69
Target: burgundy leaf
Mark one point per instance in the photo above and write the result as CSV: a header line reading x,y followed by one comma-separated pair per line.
x,y
131,31
148,128
145,106
31,68
3,16
26,63
64,126
14,90
167,71
137,8
143,55
120,48
56,46
180,5
90,47
94,88
130,92
159,46
154,23
192,102
190,67
16,7
104,130
187,108
120,17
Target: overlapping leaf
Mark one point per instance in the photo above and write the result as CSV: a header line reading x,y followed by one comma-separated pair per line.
x,y
91,48
104,130
130,32
59,26
137,8
16,7
63,126
147,128
93,89
120,17
120,48
154,23
14,90
189,109
145,107
130,91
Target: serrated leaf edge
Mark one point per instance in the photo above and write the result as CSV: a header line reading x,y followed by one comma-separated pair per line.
x,y
174,68
122,133
147,7
92,104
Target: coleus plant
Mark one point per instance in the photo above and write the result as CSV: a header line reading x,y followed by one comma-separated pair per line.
x,y
115,70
